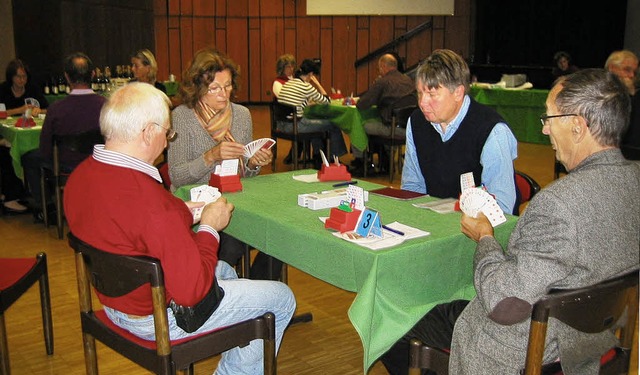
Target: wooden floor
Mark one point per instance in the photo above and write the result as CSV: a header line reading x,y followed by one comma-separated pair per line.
x,y
328,345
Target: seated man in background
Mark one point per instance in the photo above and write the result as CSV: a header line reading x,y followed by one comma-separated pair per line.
x,y
578,231
77,113
116,202
624,64
452,134
390,86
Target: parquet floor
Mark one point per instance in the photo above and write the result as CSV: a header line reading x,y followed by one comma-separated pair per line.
x,y
328,345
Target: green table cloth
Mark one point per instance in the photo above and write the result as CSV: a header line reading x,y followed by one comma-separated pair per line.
x,y
348,118
520,108
395,286
21,139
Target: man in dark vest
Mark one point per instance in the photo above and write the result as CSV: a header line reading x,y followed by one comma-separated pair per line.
x,y
451,134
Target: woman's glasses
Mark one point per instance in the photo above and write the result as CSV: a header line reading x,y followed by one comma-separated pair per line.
x,y
217,89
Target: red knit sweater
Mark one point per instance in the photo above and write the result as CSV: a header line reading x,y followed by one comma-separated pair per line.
x,y
125,211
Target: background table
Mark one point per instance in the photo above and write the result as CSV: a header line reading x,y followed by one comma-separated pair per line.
x,y
22,140
520,108
395,287
348,118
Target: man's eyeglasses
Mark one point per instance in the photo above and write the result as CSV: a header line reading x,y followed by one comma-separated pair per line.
x,y
171,134
216,89
544,117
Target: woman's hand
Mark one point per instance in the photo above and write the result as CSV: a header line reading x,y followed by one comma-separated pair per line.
x,y
224,151
260,159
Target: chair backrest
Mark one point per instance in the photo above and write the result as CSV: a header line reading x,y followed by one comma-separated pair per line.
x,y
81,143
591,310
527,186
402,110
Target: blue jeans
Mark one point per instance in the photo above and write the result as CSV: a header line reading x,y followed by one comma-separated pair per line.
x,y
243,299
305,125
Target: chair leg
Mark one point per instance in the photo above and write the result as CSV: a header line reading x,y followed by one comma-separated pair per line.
x,y
392,157
45,305
59,211
294,145
90,355
270,360
189,370
5,369
43,197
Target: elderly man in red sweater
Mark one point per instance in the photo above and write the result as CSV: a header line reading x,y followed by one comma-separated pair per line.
x,y
115,201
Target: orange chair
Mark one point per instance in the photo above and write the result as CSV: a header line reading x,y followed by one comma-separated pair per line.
x,y
17,275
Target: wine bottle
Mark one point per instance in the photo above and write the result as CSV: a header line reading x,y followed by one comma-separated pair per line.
x,y
62,85
47,89
54,86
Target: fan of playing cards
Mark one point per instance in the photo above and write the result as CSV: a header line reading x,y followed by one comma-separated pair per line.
x,y
203,193
474,200
252,147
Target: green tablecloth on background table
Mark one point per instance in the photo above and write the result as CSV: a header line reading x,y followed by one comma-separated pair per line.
x,y
21,139
348,118
395,287
520,108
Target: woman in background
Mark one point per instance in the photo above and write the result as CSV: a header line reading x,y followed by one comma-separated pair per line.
x,y
145,69
211,129
13,93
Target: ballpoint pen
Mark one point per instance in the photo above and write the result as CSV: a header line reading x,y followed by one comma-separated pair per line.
x,y
393,230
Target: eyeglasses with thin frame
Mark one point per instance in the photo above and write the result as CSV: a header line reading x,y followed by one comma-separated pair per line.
x,y
171,133
216,89
544,117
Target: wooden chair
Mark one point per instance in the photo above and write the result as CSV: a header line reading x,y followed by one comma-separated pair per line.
x,y
592,309
17,275
116,275
401,111
286,113
79,143
422,357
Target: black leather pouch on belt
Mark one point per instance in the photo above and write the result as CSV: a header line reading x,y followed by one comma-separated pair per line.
x,y
190,318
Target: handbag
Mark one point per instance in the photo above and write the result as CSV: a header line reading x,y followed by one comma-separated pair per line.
x,y
190,318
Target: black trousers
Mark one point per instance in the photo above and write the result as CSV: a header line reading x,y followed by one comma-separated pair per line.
x,y
232,250
12,187
434,329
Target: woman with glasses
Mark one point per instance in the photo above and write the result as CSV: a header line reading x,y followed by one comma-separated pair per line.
x,y
145,69
13,93
211,128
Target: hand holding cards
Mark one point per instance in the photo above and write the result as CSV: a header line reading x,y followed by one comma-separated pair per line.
x,y
259,144
474,200
203,193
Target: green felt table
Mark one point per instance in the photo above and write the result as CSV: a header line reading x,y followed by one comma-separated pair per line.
x,y
21,139
348,118
394,287
520,108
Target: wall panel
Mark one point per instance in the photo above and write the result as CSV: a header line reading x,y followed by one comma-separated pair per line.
x,y
255,32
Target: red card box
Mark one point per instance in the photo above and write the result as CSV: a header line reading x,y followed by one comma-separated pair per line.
x,y
3,114
334,172
342,221
226,184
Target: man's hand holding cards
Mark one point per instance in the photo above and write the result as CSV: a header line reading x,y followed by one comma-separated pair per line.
x,y
474,200
203,193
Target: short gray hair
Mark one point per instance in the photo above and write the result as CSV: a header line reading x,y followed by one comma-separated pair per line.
x,y
132,107
601,99
444,67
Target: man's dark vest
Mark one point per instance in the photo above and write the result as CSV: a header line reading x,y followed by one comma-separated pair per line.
x,y
442,163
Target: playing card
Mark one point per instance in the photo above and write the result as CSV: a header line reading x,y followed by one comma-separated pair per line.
x,y
203,193
477,200
259,144
356,194
467,181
